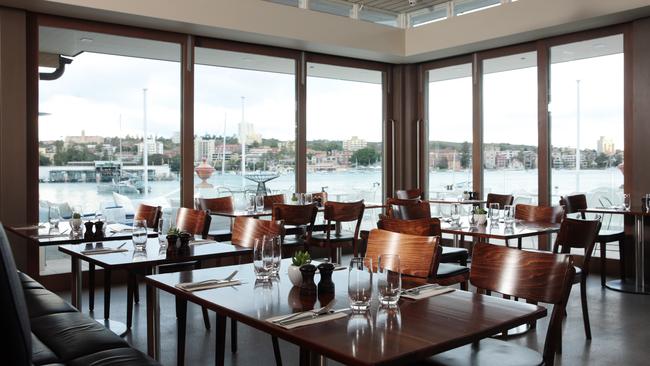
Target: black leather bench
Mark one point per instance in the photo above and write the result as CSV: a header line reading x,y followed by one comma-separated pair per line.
x,y
43,329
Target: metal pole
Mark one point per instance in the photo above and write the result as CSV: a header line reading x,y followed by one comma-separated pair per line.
x,y
223,150
145,152
578,136
242,137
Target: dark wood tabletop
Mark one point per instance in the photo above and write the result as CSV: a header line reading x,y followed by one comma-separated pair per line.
x,y
634,211
414,330
152,256
521,229
244,213
41,234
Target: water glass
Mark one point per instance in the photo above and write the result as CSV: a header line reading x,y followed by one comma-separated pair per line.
x,y
646,206
389,279
259,203
54,217
509,215
262,259
140,234
276,250
360,284
301,198
162,237
494,212
308,198
471,218
627,201
455,215
250,203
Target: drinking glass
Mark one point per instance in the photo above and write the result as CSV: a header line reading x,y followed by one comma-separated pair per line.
x,y
455,215
259,203
250,203
162,238
509,215
139,255
471,218
360,284
308,199
627,201
301,198
54,217
389,279
646,206
276,249
140,234
262,259
494,212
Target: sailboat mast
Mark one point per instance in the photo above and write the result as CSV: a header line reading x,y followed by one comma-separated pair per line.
x,y
223,149
242,137
145,149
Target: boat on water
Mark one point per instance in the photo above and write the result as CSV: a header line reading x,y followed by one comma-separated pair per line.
x,y
111,178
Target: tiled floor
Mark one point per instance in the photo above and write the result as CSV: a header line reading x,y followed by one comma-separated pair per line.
x,y
620,324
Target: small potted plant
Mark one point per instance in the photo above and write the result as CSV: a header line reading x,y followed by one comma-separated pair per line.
x,y
76,223
172,238
481,215
299,259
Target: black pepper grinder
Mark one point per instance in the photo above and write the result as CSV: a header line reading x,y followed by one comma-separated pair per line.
x,y
88,234
325,285
308,287
99,230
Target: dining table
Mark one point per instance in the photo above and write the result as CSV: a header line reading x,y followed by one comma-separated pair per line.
x,y
639,285
498,230
122,255
410,331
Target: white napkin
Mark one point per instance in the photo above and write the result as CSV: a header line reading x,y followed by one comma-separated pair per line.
x,y
103,251
202,241
308,321
118,228
428,292
194,286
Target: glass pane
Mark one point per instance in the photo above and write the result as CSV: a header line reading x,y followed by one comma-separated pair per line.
x,y
510,126
426,16
587,121
375,16
109,126
450,131
331,7
469,6
244,123
286,2
344,132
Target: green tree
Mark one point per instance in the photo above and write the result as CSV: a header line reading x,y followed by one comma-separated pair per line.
x,y
464,155
156,159
442,163
366,156
44,160
175,164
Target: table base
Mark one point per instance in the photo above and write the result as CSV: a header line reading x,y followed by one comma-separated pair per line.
x,y
116,327
628,287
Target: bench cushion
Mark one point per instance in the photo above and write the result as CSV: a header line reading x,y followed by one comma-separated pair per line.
x,y
114,357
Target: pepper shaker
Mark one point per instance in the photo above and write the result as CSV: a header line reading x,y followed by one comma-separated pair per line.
x,y
308,287
325,285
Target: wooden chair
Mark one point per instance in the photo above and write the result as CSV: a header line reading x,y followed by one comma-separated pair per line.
x,y
446,273
425,227
195,222
534,276
302,216
407,194
539,214
576,203
220,204
419,256
143,212
501,199
337,213
407,209
581,234
269,201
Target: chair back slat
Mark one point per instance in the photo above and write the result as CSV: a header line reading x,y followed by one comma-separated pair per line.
x,y
574,203
220,204
546,214
407,209
422,227
409,193
269,201
150,213
295,214
419,255
246,229
195,222
501,199
344,211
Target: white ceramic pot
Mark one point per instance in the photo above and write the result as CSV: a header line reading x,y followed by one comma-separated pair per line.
x,y
295,276
481,219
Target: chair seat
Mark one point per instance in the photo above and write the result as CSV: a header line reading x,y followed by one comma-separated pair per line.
x,y
489,352
115,357
610,235
454,255
450,270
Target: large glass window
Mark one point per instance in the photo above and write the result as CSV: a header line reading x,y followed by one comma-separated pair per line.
x,y
450,130
510,126
344,132
587,127
109,125
244,123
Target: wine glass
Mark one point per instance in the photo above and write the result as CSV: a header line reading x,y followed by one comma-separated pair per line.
x,y
389,281
54,217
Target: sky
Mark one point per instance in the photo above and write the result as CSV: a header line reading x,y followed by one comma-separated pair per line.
x,y
98,90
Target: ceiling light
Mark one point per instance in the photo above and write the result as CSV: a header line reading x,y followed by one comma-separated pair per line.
x,y
413,2
86,39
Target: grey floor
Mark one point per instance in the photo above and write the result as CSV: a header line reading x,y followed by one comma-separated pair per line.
x,y
620,324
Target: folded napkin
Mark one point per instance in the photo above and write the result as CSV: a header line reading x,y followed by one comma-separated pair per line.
x,y
118,228
103,251
31,227
198,286
308,321
427,292
202,241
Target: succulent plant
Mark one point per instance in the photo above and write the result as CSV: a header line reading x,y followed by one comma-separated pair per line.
x,y
301,258
173,231
480,211
76,215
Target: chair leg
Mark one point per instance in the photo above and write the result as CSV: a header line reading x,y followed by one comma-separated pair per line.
x,y
276,351
130,290
463,285
585,310
136,291
107,293
233,335
91,287
181,323
507,243
206,318
603,262
621,261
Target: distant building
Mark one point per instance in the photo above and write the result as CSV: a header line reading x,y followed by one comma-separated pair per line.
x,y
83,139
247,133
176,138
204,149
153,146
605,145
354,144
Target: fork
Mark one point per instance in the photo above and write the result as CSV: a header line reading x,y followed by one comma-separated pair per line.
x,y
309,313
230,277
416,290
